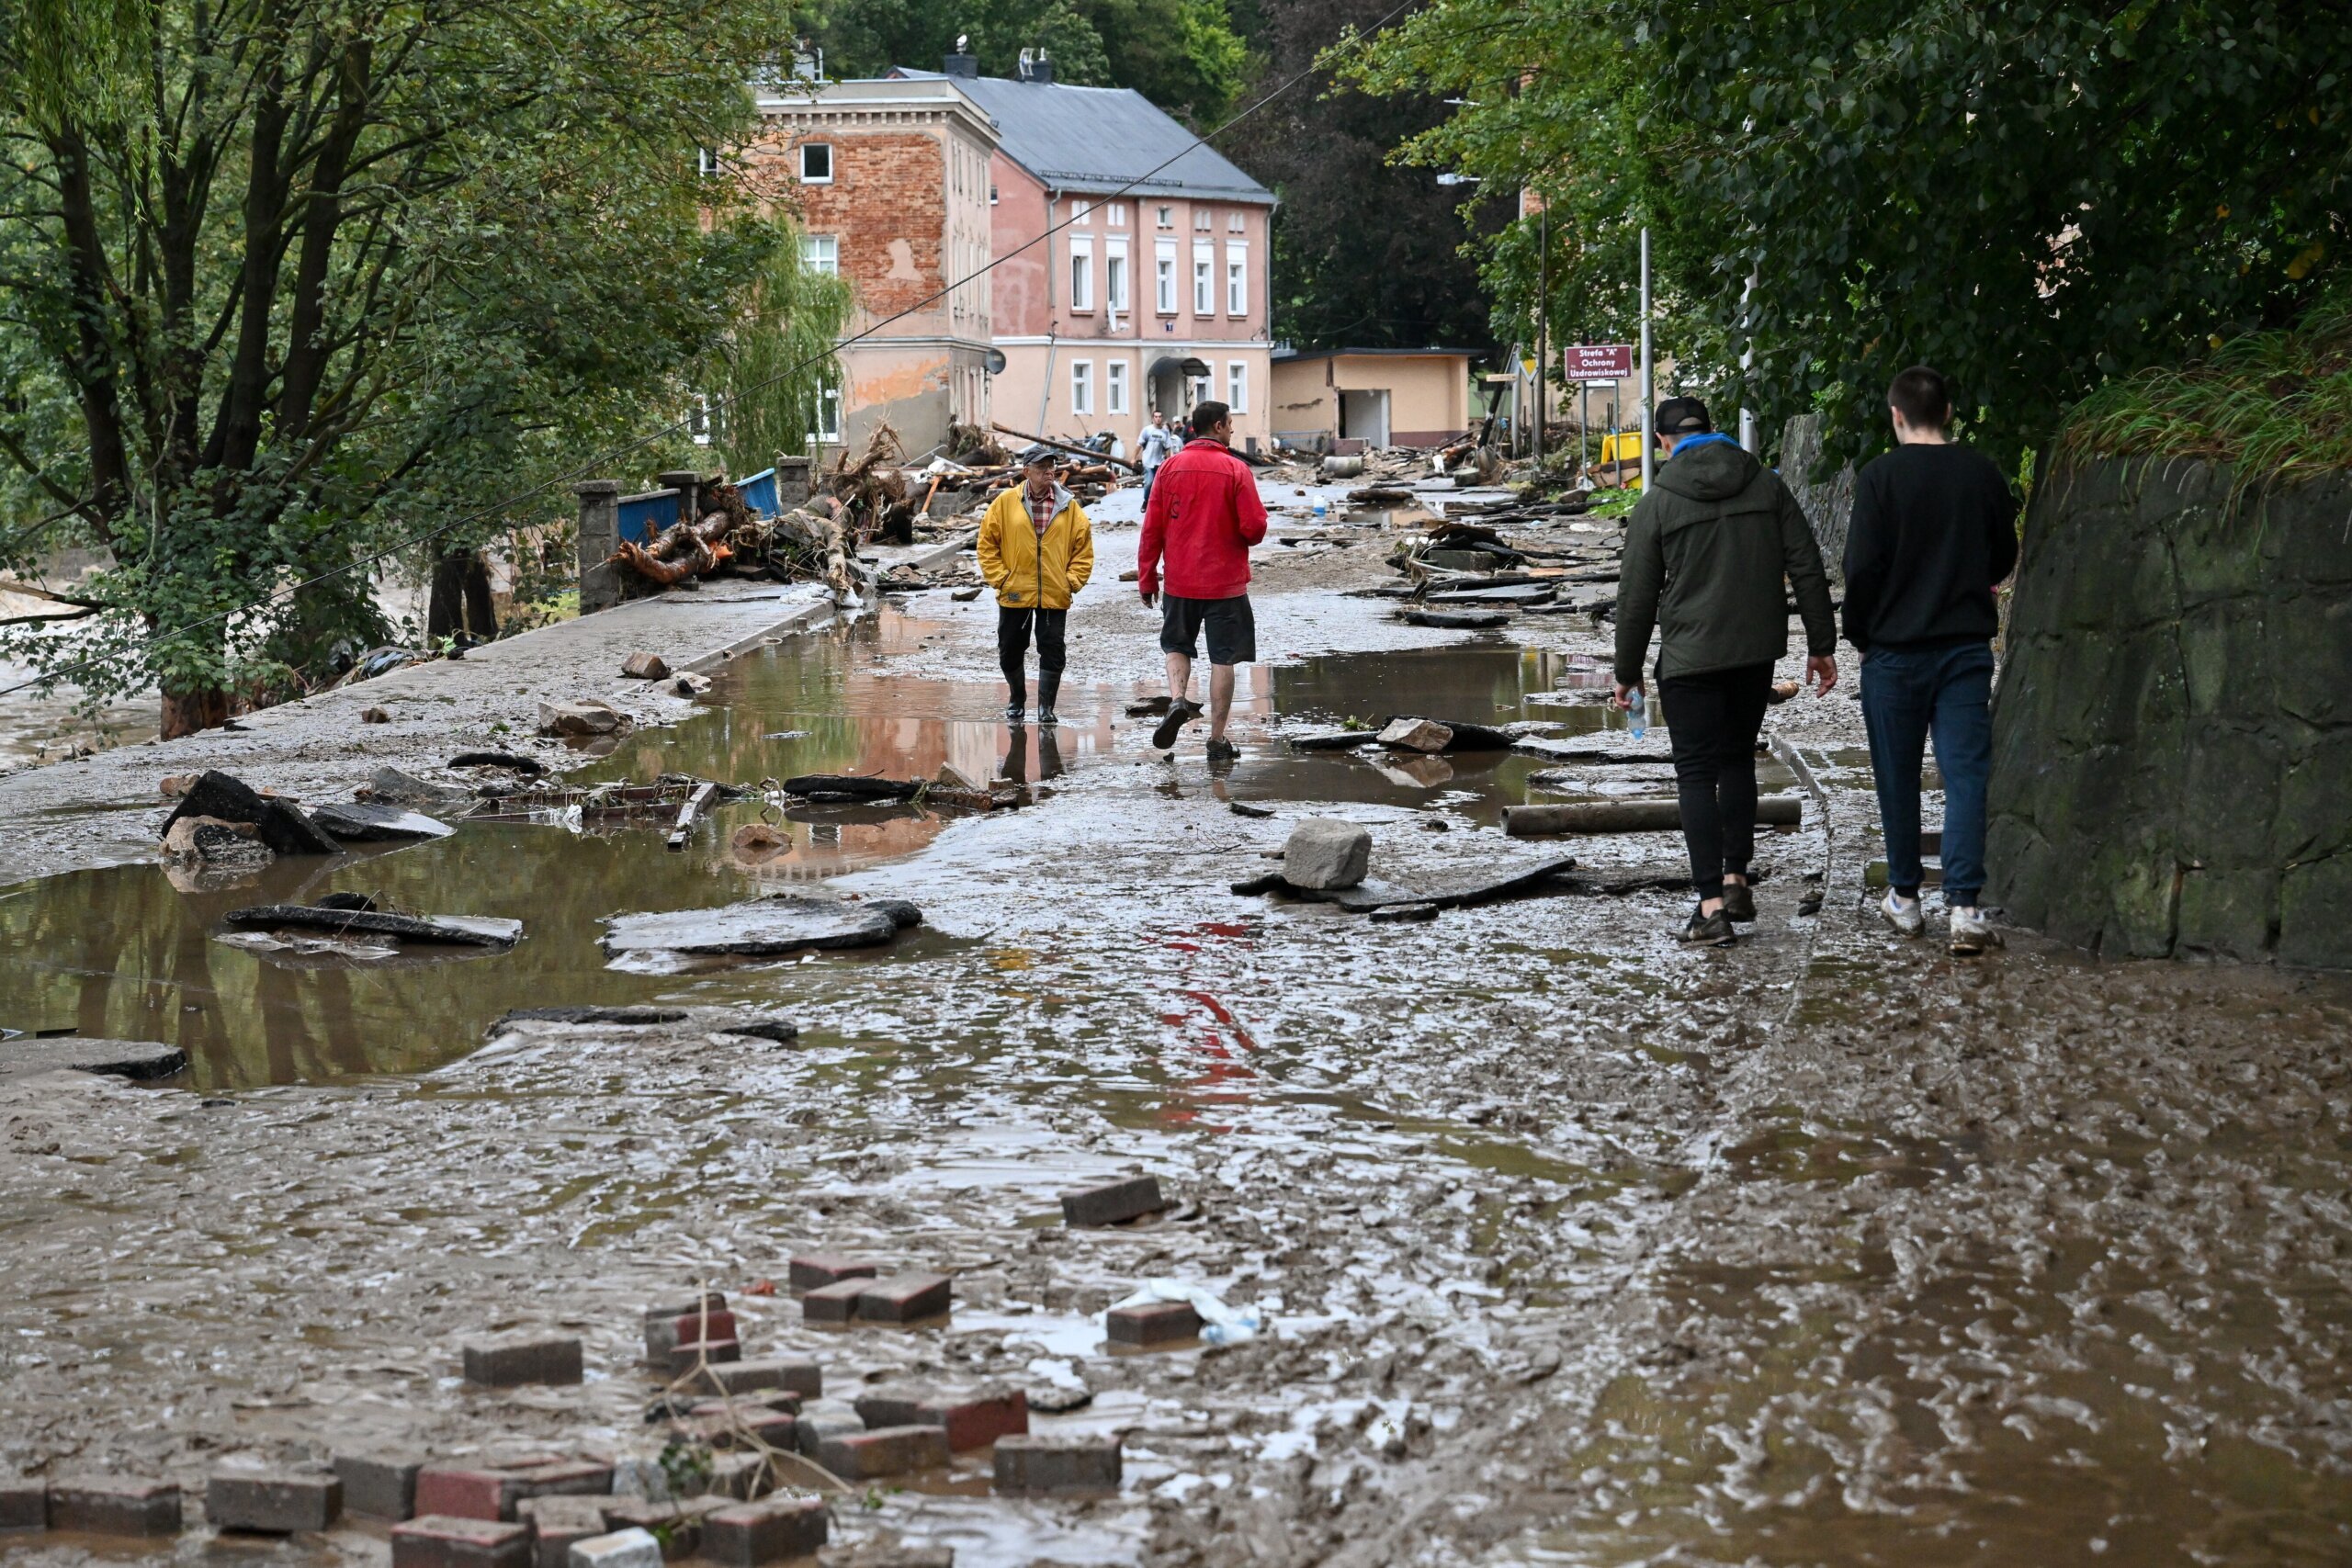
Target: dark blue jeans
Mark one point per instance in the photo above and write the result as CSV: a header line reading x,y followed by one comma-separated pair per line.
x,y
1908,693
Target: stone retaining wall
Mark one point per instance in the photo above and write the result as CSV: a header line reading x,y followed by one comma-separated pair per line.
x,y
2172,739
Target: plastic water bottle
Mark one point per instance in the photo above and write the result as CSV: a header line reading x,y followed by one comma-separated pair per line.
x,y
1322,508
1635,717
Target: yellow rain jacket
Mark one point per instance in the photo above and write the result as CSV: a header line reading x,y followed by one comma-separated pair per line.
x,y
1030,571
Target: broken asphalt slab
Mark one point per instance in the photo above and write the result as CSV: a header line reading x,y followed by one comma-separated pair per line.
x,y
452,931
1373,894
359,821
116,1058
763,927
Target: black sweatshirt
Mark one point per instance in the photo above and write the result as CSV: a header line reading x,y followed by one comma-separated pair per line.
x,y
1934,531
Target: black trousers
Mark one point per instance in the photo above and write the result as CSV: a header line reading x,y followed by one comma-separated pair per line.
x,y
1713,720
1013,652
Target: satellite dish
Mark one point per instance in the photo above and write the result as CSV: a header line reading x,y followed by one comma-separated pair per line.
x,y
996,362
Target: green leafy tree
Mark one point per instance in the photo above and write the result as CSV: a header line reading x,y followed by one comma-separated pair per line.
x,y
775,365
287,280
1183,55
2033,195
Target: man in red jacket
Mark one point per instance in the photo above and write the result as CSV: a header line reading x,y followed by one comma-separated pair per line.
x,y
1203,518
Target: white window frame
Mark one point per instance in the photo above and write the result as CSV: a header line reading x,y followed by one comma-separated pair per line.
x,y
706,162
826,177
1237,221
1204,278
1163,277
1236,385
1082,272
1115,215
1080,212
1236,279
1196,391
1166,217
1115,386
1081,386
828,417
1204,220
698,420
821,254
1116,285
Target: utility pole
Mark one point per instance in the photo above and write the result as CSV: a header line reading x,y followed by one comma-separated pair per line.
x,y
1649,376
1543,320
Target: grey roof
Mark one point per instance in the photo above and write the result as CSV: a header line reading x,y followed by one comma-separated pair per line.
x,y
1099,139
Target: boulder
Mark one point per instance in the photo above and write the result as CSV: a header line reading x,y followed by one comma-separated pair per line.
x,y
275,822
1417,734
587,717
1324,852
645,667
214,843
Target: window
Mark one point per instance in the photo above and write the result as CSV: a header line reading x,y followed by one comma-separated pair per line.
x,y
1082,272
816,163
821,253
1202,219
1114,274
1117,212
1079,212
992,193
829,416
707,162
1196,390
1237,277
1115,386
1163,281
1235,222
1203,280
1168,217
1081,386
1237,384
698,420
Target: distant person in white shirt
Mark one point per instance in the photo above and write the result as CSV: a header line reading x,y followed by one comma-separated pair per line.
x,y
1154,446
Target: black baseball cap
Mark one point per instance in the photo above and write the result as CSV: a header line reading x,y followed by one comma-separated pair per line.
x,y
1681,416
1040,457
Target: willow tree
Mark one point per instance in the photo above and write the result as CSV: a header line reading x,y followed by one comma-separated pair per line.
x,y
284,281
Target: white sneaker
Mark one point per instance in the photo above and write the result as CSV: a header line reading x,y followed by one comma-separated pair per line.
x,y
1904,914
1972,933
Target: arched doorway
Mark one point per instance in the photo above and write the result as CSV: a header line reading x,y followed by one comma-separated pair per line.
x,y
1169,376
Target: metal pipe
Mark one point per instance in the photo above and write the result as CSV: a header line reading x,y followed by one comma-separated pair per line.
x,y
1649,376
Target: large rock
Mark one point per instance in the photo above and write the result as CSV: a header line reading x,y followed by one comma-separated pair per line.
x,y
586,717
643,666
215,842
1325,852
275,822
1417,734
2172,725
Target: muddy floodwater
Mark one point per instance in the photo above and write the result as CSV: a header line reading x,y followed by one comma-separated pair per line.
x,y
1569,1245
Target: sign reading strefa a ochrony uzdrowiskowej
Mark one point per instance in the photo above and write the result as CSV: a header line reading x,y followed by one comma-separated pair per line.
x,y
1599,361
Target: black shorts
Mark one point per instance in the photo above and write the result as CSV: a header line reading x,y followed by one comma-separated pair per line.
x,y
1231,626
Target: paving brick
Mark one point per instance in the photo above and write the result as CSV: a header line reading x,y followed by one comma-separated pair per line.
x,y
511,1360
563,1478
1154,1322
755,1533
832,1303
823,1418
679,1530
741,1477
818,1269
557,1522
800,1375
466,1492
1058,1464
381,1482
622,1548
741,1427
686,1358
1114,1203
272,1502
698,1328
885,1451
662,1322
972,1420
904,1298
24,1504
106,1504
439,1541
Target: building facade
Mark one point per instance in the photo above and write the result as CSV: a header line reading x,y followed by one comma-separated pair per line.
x,y
890,180
1381,397
1131,267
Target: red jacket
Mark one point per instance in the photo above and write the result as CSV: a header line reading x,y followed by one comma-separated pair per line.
x,y
1204,516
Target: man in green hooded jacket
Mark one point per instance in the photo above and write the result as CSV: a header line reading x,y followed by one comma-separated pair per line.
x,y
1706,553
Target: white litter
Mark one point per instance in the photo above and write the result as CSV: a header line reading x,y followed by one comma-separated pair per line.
x,y
1220,1325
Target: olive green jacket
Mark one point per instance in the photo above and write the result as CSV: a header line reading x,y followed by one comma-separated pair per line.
x,y
1705,554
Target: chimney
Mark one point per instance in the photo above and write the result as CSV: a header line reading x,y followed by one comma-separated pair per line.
x,y
962,62
1036,66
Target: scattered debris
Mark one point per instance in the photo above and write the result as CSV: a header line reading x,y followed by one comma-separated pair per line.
x,y
1370,894
1417,734
681,830
114,1058
1058,1464
1114,1203
1152,1325
278,824
374,716
642,666
760,927
1243,809
586,717
364,822
1399,913
211,841
850,788
450,930
1220,1325
1631,816
1456,620
528,766
758,841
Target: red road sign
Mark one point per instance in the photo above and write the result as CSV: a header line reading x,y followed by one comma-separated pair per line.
x,y
1599,361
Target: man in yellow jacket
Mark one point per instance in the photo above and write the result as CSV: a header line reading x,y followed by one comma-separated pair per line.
x,y
1036,551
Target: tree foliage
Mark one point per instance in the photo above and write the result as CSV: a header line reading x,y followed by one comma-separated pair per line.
x,y
1400,280
283,281
1182,54
763,396
2033,195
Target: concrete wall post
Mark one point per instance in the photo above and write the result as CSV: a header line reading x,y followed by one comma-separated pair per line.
x,y
688,484
791,482
600,535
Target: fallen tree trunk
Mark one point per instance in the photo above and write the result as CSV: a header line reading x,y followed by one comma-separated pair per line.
x,y
1087,452
1631,816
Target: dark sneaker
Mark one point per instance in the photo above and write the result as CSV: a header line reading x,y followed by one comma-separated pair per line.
x,y
1180,713
1224,751
1014,713
1047,718
1740,903
1709,931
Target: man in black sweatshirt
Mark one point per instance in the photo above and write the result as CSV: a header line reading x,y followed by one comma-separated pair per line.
x,y
1934,531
